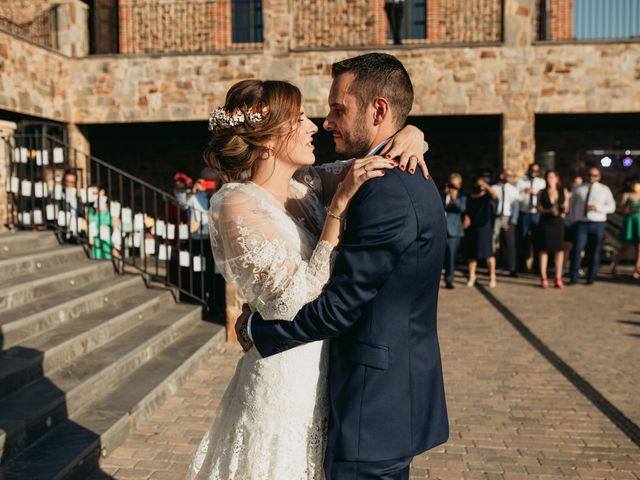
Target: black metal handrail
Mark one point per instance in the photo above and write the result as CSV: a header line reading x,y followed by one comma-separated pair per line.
x,y
115,215
41,30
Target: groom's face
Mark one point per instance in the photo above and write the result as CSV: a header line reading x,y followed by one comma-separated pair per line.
x,y
346,122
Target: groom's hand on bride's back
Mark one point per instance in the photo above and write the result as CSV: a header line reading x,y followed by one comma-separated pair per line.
x,y
242,328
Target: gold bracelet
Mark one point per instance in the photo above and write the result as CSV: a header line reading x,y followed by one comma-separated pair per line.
x,y
333,215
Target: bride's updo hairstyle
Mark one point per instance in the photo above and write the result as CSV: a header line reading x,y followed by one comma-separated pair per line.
x,y
254,112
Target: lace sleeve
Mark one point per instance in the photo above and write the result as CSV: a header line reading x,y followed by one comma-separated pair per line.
x,y
253,251
324,179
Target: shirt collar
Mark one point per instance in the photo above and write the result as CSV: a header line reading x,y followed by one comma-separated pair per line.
x,y
378,147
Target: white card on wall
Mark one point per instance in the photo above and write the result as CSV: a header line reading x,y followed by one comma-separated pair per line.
x,y
57,191
25,188
63,218
37,217
58,155
199,263
160,229
137,236
115,209
164,252
138,222
105,233
14,185
185,259
149,246
171,231
116,238
51,212
40,189
183,231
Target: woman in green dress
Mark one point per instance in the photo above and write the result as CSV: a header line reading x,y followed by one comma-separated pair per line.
x,y
630,234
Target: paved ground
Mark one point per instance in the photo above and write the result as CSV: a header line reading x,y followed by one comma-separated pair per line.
x,y
540,384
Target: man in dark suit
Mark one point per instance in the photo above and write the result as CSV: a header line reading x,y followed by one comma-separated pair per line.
x,y
385,376
455,203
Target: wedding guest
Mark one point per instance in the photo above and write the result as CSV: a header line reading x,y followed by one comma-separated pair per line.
x,y
182,184
394,10
479,235
590,204
528,216
455,203
553,204
630,233
504,229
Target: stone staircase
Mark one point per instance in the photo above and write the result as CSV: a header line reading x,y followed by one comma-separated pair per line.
x,y
84,354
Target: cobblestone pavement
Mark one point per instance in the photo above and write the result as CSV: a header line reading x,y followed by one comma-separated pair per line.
x,y
534,378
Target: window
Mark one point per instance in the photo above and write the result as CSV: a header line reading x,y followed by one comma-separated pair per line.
x,y
611,19
414,21
246,20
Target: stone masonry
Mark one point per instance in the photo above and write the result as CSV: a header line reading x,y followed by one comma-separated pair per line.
x,y
516,79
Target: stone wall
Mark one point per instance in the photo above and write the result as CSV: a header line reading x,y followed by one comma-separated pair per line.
x,y
515,80
34,81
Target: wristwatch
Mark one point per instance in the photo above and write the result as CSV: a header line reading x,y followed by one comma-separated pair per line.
x,y
243,331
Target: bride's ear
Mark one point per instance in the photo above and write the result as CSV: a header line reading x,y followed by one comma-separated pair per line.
x,y
381,110
267,150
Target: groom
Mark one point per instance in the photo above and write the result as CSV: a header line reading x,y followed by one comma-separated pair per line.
x,y
379,309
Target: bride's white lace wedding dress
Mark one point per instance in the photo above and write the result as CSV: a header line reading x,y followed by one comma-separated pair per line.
x,y
272,421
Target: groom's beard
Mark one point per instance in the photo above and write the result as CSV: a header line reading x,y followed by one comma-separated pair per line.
x,y
356,143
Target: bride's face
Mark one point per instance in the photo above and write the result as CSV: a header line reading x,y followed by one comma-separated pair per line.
x,y
297,147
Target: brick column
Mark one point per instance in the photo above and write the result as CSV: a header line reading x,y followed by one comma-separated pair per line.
x,y
73,28
518,128
6,133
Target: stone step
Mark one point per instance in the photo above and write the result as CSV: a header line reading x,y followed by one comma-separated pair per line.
x,y
19,323
23,243
30,412
41,260
71,450
31,287
39,355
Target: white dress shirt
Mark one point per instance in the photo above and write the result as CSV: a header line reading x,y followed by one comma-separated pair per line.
x,y
600,196
528,201
512,197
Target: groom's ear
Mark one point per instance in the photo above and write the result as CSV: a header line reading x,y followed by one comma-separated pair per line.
x,y
381,110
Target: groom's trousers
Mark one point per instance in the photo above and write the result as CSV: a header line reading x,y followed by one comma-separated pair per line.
x,y
397,469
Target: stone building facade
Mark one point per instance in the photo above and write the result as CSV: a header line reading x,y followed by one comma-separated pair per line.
x,y
506,72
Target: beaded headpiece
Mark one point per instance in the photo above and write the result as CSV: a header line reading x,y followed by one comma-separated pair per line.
x,y
221,118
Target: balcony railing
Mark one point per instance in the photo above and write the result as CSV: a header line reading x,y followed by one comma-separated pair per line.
x,y
41,30
342,23
571,20
189,26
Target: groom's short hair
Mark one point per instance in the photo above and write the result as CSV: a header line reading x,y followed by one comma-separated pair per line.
x,y
379,75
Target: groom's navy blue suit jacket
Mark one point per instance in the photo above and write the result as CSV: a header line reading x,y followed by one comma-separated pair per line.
x,y
379,309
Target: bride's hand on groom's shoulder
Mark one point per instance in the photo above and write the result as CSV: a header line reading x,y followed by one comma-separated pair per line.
x,y
242,328
408,148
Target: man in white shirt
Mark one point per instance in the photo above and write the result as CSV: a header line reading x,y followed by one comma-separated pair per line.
x,y
590,204
504,228
528,216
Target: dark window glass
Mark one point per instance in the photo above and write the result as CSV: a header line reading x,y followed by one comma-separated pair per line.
x,y
246,21
414,19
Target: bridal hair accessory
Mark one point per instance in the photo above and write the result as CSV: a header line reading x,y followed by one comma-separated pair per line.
x,y
220,118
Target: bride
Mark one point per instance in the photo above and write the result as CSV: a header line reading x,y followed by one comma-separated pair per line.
x,y
275,228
